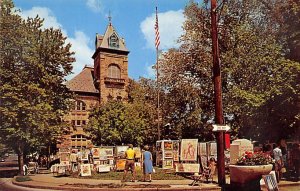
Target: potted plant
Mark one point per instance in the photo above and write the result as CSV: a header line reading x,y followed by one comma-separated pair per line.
x,y
247,172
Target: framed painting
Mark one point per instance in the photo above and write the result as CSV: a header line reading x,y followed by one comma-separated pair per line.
x,y
168,154
213,148
96,152
175,156
202,149
188,151
84,154
187,168
109,152
176,145
85,170
168,145
121,151
138,153
167,164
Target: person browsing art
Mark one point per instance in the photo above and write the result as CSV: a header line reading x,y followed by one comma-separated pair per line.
x,y
129,165
147,164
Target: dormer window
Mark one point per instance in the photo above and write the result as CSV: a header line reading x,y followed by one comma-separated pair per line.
x,y
113,41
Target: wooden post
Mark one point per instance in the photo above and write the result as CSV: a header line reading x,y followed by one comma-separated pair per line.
x,y
218,94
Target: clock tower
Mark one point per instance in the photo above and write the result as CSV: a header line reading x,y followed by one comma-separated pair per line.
x,y
111,65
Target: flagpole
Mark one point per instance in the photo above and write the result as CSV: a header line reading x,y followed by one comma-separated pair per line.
x,y
157,75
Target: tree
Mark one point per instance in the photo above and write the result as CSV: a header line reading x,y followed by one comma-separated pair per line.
x,y
34,62
254,70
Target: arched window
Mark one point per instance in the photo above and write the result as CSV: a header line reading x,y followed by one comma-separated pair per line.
x,y
114,41
114,71
80,105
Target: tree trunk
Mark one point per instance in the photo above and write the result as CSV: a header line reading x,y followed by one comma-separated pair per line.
x,y
21,163
21,160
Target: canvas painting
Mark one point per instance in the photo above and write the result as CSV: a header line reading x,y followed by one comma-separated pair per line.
x,y
121,151
168,145
167,164
109,152
96,152
85,170
213,148
84,154
168,154
176,156
176,145
202,149
188,151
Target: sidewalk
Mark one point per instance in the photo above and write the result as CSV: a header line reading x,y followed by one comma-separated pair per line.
x,y
48,181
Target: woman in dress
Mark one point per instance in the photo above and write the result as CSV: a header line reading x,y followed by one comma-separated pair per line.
x,y
147,163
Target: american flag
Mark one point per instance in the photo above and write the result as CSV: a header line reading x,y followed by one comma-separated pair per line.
x,y
157,39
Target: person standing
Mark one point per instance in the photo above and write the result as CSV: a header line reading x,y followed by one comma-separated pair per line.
x,y
147,164
129,165
277,154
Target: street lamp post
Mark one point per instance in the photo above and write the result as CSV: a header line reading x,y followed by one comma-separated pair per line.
x,y
217,94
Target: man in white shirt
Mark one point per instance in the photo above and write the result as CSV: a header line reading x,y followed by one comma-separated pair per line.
x,y
277,154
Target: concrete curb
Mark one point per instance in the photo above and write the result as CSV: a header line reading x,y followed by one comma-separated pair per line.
x,y
172,187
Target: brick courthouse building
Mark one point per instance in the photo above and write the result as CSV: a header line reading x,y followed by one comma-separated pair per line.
x,y
106,80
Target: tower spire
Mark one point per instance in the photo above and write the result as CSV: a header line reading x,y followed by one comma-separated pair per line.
x,y
109,17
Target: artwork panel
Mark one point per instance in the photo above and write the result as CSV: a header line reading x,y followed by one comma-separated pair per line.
x,y
176,145
202,149
213,148
168,154
175,156
187,168
85,170
188,151
96,152
84,154
167,164
168,145
121,151
109,152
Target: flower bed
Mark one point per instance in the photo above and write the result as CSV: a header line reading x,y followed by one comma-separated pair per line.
x,y
253,159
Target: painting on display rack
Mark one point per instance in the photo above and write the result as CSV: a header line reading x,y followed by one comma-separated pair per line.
x,y
121,151
188,151
96,152
84,154
167,164
86,170
168,145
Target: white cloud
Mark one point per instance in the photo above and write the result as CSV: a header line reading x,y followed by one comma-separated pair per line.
x,y
150,71
95,5
46,13
83,52
170,29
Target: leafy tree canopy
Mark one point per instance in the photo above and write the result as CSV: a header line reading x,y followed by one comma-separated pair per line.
x,y
33,64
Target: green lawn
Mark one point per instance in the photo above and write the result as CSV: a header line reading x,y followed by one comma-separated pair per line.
x,y
159,174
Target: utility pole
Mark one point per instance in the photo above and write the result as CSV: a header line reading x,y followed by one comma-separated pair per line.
x,y
218,94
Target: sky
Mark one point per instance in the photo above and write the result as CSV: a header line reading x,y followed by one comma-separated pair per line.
x,y
133,20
